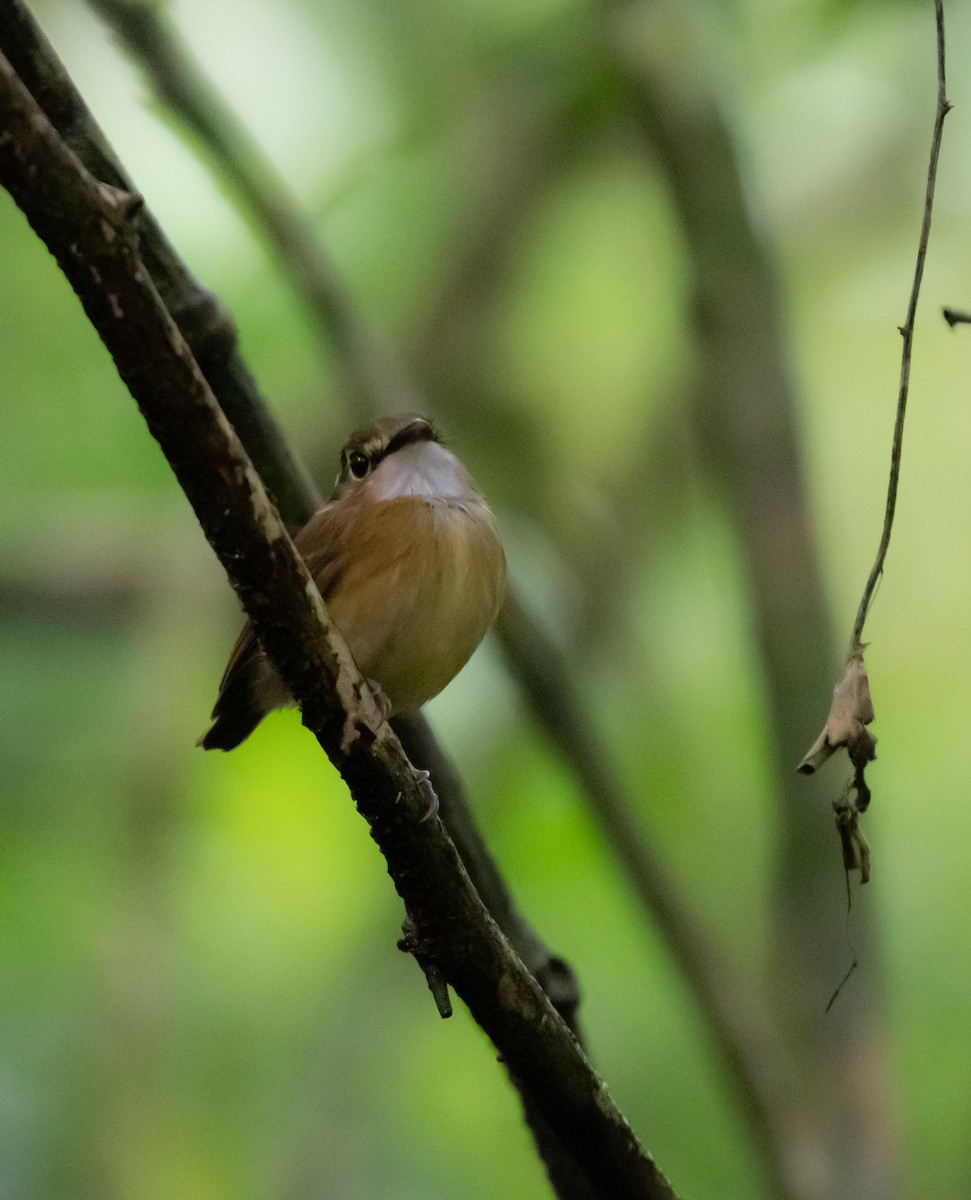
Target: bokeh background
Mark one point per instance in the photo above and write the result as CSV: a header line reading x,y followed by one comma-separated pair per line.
x,y
200,994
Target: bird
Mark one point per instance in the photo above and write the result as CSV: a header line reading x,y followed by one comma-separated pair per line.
x,y
407,556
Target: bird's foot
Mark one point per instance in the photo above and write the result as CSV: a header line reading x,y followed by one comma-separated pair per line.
x,y
424,781
380,698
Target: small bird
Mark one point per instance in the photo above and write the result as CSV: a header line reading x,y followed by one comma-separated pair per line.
x,y
407,557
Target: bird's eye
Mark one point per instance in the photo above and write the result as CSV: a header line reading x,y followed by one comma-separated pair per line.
x,y
358,464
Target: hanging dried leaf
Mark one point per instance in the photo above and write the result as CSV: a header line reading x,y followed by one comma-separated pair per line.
x,y
856,849
849,715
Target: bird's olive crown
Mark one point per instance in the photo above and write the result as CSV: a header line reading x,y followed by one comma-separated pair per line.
x,y
368,446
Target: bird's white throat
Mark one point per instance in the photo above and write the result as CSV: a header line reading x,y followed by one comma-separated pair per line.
x,y
424,469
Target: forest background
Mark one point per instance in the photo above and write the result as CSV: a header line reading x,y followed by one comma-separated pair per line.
x,y
648,263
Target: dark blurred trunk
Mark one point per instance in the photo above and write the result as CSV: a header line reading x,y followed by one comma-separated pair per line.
x,y
746,426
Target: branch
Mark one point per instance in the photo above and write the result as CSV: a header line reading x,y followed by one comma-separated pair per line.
x,y
742,1032
851,710
202,321
555,976
955,316
744,418
91,228
154,43
211,335
907,332
264,442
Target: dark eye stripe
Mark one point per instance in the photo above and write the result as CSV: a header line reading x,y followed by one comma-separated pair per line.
x,y
418,430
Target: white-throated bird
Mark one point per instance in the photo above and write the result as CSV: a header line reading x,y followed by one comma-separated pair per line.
x,y
408,560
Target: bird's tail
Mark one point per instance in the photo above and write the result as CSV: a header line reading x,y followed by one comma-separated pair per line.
x,y
236,714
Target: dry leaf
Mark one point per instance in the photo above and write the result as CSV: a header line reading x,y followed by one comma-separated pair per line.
x,y
856,849
849,715
846,726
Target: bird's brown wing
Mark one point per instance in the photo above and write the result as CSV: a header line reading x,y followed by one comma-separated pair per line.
x,y
238,709
316,533
239,705
246,646
319,544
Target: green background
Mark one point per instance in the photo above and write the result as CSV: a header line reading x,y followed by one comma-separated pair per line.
x,y
200,994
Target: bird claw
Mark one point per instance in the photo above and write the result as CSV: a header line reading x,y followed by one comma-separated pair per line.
x,y
354,722
380,699
424,781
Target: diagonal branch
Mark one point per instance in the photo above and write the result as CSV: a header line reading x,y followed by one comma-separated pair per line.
x,y
91,229
202,321
211,336
745,1037
375,376
741,1030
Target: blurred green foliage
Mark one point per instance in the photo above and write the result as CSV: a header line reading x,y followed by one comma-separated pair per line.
x,y
199,990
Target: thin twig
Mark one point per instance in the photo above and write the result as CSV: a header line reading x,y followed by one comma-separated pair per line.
x,y
907,332
744,414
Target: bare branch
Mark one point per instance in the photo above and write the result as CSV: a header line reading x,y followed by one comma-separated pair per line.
x,y
262,439
556,977
852,708
745,421
203,322
742,1031
211,335
91,229
375,376
907,333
